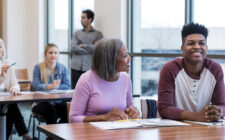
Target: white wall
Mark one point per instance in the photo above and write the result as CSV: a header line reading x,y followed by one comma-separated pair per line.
x,y
23,29
111,18
24,32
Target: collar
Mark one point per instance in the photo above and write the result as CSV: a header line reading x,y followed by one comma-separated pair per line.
x,y
92,29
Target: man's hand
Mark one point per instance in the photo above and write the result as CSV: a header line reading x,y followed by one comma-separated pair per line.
x,y
81,45
213,113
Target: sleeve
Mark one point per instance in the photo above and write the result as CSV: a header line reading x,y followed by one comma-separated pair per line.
x,y
79,101
166,94
129,94
37,84
218,97
13,80
74,46
91,47
65,83
2,79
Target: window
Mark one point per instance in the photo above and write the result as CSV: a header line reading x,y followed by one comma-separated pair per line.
x,y
63,19
79,6
154,33
211,13
155,36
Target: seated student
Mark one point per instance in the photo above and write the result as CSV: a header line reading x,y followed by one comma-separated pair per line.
x,y
50,75
8,82
192,87
104,93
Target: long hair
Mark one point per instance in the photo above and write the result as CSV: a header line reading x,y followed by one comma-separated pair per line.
x,y
43,65
3,49
104,58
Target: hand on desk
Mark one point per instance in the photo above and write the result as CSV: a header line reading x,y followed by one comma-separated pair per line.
x,y
54,85
208,114
132,112
15,91
115,114
213,113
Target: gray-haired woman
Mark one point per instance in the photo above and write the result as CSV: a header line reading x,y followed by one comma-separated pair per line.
x,y
104,93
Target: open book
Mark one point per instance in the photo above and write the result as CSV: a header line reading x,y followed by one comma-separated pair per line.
x,y
123,124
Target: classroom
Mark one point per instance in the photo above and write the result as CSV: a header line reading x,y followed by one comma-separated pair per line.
x,y
112,69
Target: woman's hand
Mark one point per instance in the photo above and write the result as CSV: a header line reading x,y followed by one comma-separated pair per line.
x,y
15,91
4,70
54,85
132,112
115,114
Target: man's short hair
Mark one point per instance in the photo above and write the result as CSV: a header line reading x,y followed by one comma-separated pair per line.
x,y
90,14
193,28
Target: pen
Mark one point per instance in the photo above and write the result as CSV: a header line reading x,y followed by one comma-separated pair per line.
x,y
10,65
13,64
126,120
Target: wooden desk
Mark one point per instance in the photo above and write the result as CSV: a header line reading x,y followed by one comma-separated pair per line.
x,y
35,97
5,100
85,131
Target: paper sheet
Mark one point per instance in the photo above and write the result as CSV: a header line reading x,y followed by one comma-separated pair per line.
x,y
137,123
217,123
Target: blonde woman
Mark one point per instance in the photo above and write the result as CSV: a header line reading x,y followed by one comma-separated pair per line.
x,y
8,82
50,75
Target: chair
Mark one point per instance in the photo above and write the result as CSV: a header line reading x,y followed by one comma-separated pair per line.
x,y
25,85
68,104
22,76
149,108
40,120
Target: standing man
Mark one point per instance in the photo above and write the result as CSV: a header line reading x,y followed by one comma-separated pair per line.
x,y
192,87
82,46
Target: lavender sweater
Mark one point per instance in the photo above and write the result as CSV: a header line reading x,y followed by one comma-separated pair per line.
x,y
95,96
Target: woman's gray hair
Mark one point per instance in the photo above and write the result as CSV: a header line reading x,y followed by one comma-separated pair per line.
x,y
3,49
104,58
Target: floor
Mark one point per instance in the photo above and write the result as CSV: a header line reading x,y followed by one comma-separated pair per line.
x,y
25,109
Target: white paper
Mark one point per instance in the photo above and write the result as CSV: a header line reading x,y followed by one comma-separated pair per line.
x,y
220,122
5,94
137,123
54,91
26,92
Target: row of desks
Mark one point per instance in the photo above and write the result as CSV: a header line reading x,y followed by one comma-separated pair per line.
x,y
85,131
28,97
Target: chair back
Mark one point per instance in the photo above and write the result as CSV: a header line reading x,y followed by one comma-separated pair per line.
x,y
68,104
22,77
149,108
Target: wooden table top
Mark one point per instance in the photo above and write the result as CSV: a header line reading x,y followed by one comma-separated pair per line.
x,y
35,97
85,131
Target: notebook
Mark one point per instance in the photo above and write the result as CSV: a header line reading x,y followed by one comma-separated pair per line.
x,y
125,124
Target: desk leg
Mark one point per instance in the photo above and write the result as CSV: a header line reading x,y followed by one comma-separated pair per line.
x,y
3,109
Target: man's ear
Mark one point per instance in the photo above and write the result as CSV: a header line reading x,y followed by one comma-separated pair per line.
x,y
182,48
90,20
